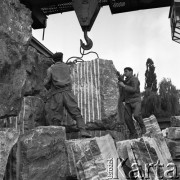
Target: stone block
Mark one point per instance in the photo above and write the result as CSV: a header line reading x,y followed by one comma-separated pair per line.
x,y
32,113
15,35
173,133
8,137
175,121
43,154
174,148
94,84
88,158
139,154
96,89
177,164
15,21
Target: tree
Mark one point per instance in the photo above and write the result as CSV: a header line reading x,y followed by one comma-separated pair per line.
x,y
169,98
151,103
150,76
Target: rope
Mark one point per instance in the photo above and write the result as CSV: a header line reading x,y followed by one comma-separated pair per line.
x,y
80,59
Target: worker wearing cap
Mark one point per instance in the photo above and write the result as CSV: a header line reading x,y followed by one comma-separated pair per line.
x,y
60,95
132,99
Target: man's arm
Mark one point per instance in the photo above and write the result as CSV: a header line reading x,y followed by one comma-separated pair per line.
x,y
133,88
47,80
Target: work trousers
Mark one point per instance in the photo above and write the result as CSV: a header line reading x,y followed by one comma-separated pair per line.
x,y
54,108
134,109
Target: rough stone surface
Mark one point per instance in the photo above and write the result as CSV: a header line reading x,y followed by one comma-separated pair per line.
x,y
173,147
88,158
22,69
32,112
95,86
15,21
27,86
35,66
15,33
8,137
43,154
173,133
175,121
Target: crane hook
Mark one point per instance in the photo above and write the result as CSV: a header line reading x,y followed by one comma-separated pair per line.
x,y
88,41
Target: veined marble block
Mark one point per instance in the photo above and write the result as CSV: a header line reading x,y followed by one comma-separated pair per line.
x,y
94,84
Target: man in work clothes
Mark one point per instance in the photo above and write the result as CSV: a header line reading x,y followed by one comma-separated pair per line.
x,y
60,95
132,99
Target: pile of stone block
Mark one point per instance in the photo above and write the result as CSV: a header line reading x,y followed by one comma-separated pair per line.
x,y
147,157
39,152
44,153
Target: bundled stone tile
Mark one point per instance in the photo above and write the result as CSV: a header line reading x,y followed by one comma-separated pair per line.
x,y
8,137
43,154
143,155
90,158
152,125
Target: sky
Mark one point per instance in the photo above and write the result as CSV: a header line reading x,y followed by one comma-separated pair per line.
x,y
128,39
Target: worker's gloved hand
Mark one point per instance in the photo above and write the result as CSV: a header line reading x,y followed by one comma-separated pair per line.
x,y
120,77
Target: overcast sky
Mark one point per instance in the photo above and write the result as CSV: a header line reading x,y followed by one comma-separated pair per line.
x,y
128,39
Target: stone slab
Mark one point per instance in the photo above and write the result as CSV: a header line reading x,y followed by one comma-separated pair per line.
x,y
88,158
43,154
173,133
145,151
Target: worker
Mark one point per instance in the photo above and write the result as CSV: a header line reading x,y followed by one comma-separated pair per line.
x,y
132,100
60,95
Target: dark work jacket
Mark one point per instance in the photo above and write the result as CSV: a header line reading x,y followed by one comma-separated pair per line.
x,y
132,90
58,78
58,75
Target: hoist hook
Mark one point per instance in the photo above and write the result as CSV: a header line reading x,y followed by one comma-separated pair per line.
x,y
88,41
